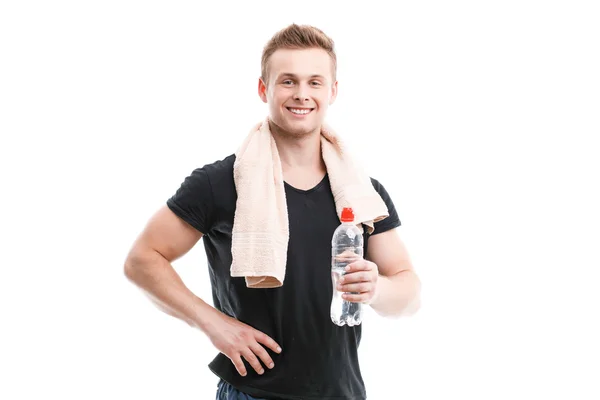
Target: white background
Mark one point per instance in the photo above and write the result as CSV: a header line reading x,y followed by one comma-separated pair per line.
x,y
480,118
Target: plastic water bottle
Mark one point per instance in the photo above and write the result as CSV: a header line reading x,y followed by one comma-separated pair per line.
x,y
346,247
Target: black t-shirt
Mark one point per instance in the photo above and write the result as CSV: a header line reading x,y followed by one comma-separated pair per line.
x,y
319,359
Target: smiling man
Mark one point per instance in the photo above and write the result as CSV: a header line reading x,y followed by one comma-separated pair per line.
x,y
278,342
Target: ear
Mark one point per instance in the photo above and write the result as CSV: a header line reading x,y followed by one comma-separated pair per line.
x,y
334,92
262,90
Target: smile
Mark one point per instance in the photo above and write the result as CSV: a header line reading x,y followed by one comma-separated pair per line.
x,y
299,111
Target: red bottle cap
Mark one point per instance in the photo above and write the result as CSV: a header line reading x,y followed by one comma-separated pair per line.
x,y
347,215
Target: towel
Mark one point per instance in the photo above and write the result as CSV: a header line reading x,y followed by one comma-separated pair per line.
x,y
261,229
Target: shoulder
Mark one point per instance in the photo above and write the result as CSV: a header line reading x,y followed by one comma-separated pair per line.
x,y
220,177
219,168
376,184
202,178
202,192
393,220
379,188
211,173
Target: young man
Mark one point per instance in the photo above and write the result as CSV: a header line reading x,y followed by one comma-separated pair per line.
x,y
278,342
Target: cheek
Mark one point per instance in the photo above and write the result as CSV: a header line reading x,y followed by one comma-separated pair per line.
x,y
278,99
324,99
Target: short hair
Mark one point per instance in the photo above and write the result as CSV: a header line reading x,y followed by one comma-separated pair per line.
x,y
298,37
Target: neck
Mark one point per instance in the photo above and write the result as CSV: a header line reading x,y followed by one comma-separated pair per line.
x,y
299,153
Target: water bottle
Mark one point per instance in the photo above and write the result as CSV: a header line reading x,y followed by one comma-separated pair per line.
x,y
346,247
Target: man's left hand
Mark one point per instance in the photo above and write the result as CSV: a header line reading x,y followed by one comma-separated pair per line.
x,y
359,282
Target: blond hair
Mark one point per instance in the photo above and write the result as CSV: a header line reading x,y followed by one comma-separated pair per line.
x,y
298,37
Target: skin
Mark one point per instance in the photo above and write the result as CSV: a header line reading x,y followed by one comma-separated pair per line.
x,y
300,79
303,79
385,279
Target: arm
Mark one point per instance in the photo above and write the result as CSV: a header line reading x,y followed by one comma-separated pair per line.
x,y
385,279
397,292
166,238
148,265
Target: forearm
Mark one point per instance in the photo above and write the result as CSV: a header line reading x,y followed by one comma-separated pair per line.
x,y
397,295
157,278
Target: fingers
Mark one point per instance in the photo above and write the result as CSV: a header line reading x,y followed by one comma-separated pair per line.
x,y
356,277
360,265
347,256
242,342
263,355
253,361
254,351
356,298
239,365
267,341
359,281
355,287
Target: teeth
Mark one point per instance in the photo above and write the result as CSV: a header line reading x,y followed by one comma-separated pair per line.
x,y
298,111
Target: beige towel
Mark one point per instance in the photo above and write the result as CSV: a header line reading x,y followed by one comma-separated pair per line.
x,y
260,229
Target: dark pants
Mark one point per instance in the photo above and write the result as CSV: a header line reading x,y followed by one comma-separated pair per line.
x,y
227,392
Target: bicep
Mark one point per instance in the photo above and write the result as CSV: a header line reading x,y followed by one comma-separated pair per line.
x,y
166,234
388,251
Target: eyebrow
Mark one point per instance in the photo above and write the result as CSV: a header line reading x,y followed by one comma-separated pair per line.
x,y
287,74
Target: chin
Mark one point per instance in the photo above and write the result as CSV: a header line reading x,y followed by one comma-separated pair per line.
x,y
296,128
300,130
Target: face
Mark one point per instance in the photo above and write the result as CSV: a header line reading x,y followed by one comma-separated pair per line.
x,y
299,90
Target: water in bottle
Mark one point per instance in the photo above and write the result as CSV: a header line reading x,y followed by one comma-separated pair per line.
x,y
346,247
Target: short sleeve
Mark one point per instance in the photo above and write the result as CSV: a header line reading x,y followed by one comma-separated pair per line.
x,y
392,221
194,200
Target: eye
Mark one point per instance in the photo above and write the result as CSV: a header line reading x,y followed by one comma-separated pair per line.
x,y
316,83
287,82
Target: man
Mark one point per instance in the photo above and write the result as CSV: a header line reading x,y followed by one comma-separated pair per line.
x,y
278,342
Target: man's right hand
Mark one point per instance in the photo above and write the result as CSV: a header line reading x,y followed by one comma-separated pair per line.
x,y
166,238
236,340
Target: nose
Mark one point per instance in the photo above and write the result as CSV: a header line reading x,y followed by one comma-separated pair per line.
x,y
300,95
